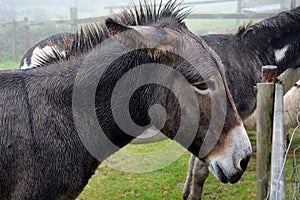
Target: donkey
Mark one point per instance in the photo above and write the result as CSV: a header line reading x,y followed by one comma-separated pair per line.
x,y
247,44
52,139
56,43
273,41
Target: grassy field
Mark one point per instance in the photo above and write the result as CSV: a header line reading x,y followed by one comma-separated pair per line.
x,y
167,183
216,26
9,65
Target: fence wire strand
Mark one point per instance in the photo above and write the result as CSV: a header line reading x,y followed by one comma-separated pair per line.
x,y
293,163
289,169
292,178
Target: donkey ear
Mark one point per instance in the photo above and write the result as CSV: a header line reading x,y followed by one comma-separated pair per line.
x,y
130,36
141,36
114,27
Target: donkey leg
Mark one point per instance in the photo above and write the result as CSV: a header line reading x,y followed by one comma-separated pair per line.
x,y
197,175
188,181
200,174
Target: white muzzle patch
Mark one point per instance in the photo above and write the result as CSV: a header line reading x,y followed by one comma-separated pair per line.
x,y
229,165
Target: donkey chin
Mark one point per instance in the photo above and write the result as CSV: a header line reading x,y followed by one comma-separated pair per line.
x,y
229,164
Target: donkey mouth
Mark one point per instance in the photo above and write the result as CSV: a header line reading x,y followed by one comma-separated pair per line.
x,y
235,178
220,174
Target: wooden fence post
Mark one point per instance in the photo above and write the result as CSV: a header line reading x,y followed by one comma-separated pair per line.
x,y
74,17
14,38
293,4
277,188
264,123
239,10
27,37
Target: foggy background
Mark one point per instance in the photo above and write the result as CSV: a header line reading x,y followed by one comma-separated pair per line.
x,y
42,10
25,22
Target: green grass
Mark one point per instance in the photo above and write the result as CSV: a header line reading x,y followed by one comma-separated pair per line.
x,y
9,65
162,184
217,26
167,183
292,168
207,26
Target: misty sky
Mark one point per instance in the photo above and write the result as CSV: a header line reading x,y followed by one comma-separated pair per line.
x,y
60,9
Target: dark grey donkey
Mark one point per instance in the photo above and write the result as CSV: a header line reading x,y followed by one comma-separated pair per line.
x,y
59,122
55,44
273,41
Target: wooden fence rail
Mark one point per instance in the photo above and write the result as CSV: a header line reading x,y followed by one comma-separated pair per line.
x,y
277,185
15,25
270,132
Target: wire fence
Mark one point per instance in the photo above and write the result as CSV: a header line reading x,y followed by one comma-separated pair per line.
x,y
17,37
290,168
278,134
292,156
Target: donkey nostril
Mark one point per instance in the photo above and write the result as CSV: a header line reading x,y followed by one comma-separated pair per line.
x,y
244,163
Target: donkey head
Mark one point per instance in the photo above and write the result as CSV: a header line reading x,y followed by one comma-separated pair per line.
x,y
155,72
180,73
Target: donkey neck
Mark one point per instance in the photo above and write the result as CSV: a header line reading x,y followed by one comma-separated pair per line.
x,y
58,83
241,67
281,52
243,56
276,38
50,93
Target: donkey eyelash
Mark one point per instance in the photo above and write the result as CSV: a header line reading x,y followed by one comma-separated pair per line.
x,y
205,85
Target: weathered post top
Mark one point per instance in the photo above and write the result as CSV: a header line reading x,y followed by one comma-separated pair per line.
x,y
269,73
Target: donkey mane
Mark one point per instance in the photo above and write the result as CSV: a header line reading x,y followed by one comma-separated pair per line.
x,y
282,21
89,35
171,13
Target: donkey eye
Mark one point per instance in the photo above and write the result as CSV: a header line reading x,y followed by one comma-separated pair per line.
x,y
205,85
201,86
